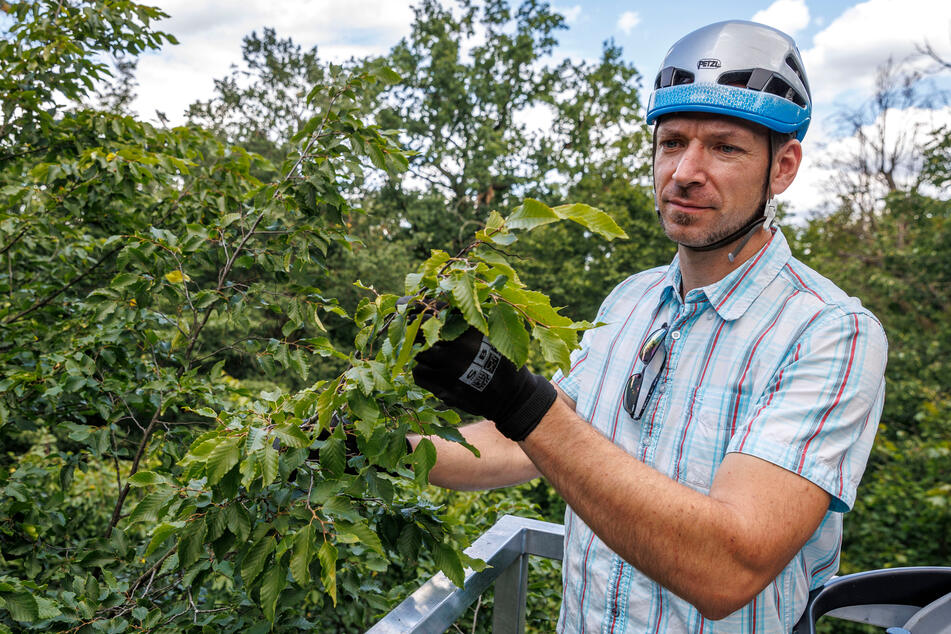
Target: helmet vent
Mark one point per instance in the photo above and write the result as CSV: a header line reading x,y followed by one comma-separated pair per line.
x,y
762,80
672,76
796,68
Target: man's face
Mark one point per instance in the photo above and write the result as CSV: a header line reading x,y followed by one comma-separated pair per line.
x,y
709,176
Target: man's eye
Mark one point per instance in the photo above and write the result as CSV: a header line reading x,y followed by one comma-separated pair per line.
x,y
729,149
669,144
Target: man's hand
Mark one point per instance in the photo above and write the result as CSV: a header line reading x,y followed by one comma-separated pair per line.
x,y
469,373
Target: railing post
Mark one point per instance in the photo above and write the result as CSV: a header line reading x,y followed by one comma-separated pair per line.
x,y
511,594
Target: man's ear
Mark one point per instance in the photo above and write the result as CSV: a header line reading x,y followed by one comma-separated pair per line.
x,y
785,166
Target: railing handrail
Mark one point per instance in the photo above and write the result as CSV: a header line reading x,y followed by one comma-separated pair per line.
x,y
436,605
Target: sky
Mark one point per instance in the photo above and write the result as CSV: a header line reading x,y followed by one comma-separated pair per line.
x,y
842,42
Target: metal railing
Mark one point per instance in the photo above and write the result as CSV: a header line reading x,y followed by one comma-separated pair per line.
x,y
505,548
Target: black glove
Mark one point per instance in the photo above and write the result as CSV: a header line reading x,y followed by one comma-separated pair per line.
x,y
470,374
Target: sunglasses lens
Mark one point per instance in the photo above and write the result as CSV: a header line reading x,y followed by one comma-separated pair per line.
x,y
654,342
631,392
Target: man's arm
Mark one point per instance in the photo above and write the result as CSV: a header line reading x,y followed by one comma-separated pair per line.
x,y
717,551
501,462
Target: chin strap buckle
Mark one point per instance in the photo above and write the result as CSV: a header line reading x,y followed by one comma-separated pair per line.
x,y
770,213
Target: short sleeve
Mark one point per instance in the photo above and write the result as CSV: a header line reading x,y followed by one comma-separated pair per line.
x,y
571,383
820,413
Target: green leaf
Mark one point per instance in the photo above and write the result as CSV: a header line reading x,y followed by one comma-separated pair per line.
x,y
221,459
447,560
333,455
302,552
467,300
269,465
388,75
554,348
431,328
255,441
149,508
328,569
508,334
162,532
592,219
531,214
423,458
145,478
21,605
409,339
409,541
239,522
191,543
273,582
292,436
256,557
359,532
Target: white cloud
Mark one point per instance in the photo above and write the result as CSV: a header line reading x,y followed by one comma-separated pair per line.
x,y
571,13
627,21
845,55
789,16
210,33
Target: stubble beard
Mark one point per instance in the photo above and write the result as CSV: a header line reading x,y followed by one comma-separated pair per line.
x,y
717,233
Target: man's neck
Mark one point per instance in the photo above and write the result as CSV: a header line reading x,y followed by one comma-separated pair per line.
x,y
702,268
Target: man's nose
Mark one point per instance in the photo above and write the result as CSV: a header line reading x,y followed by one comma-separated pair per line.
x,y
690,167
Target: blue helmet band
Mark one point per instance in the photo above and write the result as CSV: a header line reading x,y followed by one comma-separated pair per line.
x,y
763,108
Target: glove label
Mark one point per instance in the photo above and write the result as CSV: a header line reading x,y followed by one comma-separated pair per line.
x,y
482,369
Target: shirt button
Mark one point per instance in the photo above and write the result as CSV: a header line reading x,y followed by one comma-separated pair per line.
x,y
709,316
614,611
675,335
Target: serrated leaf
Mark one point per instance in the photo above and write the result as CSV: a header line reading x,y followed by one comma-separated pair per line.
x,y
530,214
591,219
292,436
333,455
21,605
221,459
508,334
162,532
191,543
553,348
328,569
326,405
302,553
341,507
423,458
256,557
149,508
467,300
408,340
388,75
431,328
447,560
359,532
409,541
269,465
271,586
145,478
256,439
238,520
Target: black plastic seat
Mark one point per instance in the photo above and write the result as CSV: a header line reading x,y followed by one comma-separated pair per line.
x,y
890,597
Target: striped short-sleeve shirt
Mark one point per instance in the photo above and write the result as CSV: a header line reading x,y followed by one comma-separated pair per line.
x,y
774,361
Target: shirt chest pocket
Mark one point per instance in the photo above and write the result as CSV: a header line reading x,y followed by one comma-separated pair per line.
x,y
704,435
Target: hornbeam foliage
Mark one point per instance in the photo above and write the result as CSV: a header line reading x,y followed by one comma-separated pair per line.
x,y
146,482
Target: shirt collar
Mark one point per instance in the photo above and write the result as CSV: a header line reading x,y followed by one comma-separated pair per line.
x,y
734,294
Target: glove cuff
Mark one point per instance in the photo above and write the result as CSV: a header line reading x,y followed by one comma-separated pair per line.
x,y
520,423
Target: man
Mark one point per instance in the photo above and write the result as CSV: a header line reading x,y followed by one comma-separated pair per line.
x,y
709,437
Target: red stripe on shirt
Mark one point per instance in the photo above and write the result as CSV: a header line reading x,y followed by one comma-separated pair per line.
x,y
838,396
749,361
703,373
804,285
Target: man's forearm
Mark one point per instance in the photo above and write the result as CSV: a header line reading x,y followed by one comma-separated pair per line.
x,y
710,551
501,462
